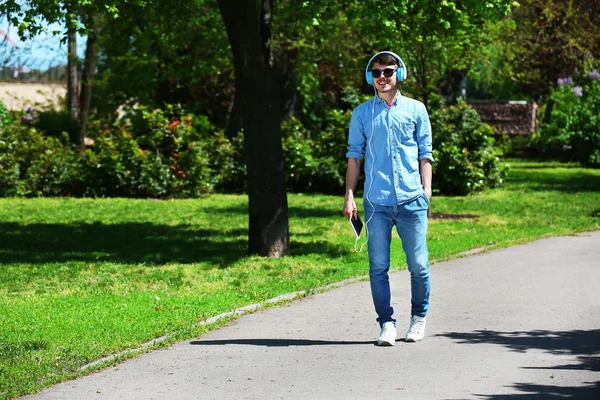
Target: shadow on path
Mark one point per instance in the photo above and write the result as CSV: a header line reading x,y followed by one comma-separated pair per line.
x,y
277,342
583,345
531,391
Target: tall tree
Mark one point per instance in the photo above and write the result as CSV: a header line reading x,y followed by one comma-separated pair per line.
x,y
72,70
89,69
248,24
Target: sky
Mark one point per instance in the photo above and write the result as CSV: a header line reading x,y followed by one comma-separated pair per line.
x,y
42,52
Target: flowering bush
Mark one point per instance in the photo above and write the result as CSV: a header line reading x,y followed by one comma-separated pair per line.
x,y
28,115
573,132
161,155
151,153
316,163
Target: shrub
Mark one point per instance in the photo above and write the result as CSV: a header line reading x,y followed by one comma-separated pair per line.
x,y
5,118
226,156
316,163
159,154
117,167
573,132
300,165
463,148
34,165
150,153
154,153
331,147
54,123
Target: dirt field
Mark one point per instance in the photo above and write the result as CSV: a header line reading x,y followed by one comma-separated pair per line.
x,y
18,95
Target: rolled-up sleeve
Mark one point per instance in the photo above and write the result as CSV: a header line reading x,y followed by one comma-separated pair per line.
x,y
424,138
356,136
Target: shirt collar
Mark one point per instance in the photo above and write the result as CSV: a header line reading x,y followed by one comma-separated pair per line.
x,y
394,101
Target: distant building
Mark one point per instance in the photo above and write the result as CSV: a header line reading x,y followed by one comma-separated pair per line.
x,y
19,72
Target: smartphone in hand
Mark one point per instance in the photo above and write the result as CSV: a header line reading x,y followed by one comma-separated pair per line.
x,y
356,224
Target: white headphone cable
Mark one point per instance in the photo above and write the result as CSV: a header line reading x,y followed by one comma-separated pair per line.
x,y
370,147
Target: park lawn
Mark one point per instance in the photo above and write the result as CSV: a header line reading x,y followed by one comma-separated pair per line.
x,y
81,279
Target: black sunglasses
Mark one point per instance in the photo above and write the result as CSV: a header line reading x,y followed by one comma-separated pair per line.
x,y
388,72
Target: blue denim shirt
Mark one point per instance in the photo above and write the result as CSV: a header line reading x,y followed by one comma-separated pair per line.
x,y
393,139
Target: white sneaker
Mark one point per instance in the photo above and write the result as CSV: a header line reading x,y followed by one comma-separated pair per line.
x,y
416,331
387,337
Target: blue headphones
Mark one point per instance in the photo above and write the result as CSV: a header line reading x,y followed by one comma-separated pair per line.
x,y
400,74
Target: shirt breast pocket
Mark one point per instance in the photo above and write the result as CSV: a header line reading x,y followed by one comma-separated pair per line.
x,y
407,132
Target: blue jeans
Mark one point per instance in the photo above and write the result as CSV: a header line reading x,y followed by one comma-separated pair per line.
x,y
410,220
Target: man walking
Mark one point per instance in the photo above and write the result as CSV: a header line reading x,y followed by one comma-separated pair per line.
x,y
392,133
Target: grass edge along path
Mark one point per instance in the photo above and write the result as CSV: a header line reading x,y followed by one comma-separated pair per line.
x,y
221,319
76,252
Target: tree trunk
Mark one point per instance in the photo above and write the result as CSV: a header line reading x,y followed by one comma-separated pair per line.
x,y
285,75
450,84
72,96
234,125
248,25
89,69
547,118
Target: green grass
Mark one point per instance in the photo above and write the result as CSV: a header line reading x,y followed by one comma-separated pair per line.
x,y
81,279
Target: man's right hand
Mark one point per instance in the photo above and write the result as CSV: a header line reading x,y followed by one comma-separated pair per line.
x,y
351,179
349,208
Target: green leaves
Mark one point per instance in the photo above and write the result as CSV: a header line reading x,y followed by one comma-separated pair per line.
x,y
573,131
437,39
463,148
551,39
31,16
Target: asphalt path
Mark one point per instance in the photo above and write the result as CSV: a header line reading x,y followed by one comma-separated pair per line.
x,y
515,323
